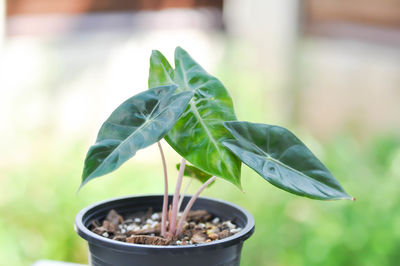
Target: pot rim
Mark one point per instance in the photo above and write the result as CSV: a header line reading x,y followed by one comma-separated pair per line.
x,y
96,239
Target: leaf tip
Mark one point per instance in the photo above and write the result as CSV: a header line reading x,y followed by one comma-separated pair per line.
x,y
79,189
348,197
179,51
155,52
86,177
238,184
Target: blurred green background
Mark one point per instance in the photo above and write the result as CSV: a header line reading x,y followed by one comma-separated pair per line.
x,y
63,72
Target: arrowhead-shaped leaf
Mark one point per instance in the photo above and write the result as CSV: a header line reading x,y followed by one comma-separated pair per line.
x,y
137,123
196,173
283,160
199,133
161,72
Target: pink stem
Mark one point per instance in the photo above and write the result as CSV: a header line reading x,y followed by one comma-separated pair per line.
x,y
174,212
183,194
165,200
190,204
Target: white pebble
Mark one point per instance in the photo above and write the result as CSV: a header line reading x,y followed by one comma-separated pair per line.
x,y
229,224
146,226
202,225
153,224
149,221
215,220
155,216
178,242
137,220
235,230
123,231
105,234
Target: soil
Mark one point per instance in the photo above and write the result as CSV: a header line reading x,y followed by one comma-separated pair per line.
x,y
145,228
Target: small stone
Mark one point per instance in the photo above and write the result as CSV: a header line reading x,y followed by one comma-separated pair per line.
x,y
199,238
128,221
185,226
155,216
235,230
192,225
105,234
137,220
229,224
215,220
213,236
132,227
213,230
225,233
145,227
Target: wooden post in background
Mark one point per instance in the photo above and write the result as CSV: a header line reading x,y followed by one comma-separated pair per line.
x,y
2,22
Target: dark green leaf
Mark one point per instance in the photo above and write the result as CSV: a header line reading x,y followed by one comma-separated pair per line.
x,y
137,123
199,133
196,173
283,160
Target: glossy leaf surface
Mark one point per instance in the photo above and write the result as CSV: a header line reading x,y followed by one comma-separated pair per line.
x,y
137,123
283,160
199,133
196,173
161,72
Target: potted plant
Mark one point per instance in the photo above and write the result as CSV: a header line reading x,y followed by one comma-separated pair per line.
x,y
194,113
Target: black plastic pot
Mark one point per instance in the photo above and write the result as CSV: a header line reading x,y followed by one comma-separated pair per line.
x,y
104,251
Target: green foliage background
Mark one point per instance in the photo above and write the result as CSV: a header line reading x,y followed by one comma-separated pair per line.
x,y
39,204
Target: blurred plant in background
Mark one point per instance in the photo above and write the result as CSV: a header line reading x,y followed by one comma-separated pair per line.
x,y
61,76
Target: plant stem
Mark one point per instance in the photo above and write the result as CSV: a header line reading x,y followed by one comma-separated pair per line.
x,y
165,199
190,204
184,193
174,212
